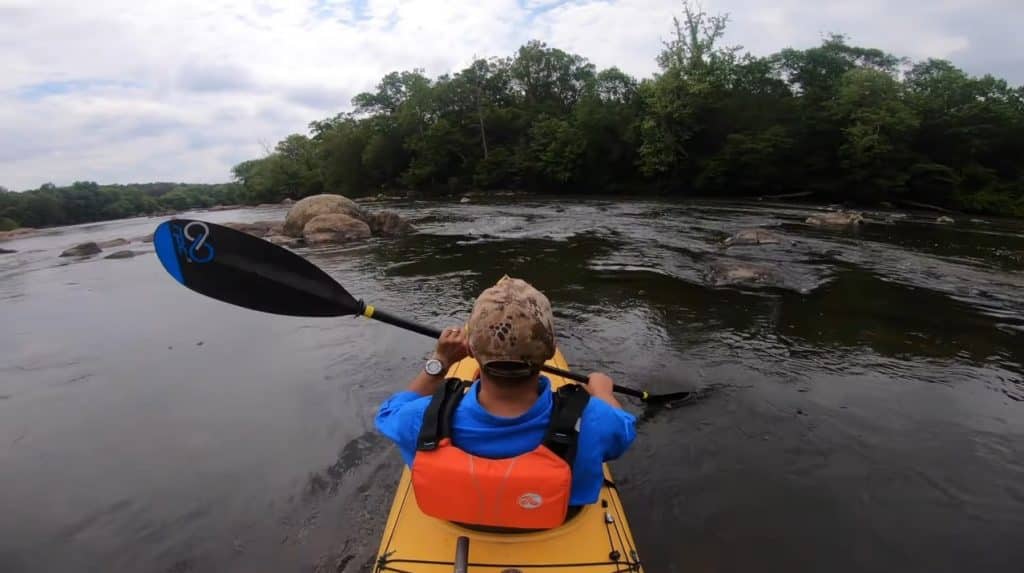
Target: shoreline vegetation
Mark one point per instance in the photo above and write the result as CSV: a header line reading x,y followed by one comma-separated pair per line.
x,y
834,123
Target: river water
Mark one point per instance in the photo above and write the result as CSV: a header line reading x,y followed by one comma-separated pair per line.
x,y
862,410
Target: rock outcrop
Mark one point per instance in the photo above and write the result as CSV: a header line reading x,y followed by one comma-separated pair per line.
x,y
388,224
334,228
837,219
112,243
753,237
258,228
19,233
729,273
120,255
82,250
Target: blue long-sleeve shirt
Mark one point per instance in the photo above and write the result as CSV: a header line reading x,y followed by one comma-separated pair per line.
x,y
605,433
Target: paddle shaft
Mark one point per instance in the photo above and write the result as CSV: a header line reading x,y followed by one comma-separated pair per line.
x,y
383,316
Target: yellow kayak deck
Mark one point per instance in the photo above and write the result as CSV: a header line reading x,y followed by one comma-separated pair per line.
x,y
598,538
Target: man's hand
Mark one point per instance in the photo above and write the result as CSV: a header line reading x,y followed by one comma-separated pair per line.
x,y
600,386
452,346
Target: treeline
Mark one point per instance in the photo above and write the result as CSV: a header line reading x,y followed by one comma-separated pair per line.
x,y
839,121
85,201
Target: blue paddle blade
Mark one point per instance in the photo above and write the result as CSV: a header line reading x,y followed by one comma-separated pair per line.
x,y
244,270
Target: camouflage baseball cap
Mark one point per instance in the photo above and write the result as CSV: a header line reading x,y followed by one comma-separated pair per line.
x,y
511,323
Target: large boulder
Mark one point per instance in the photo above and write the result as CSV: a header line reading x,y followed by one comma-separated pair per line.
x,y
753,237
82,250
112,243
837,219
334,228
305,210
120,255
388,224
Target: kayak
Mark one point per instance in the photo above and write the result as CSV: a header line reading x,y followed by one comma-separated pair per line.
x,y
597,538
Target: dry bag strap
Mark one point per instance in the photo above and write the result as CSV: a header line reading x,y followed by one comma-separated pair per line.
x,y
437,418
566,411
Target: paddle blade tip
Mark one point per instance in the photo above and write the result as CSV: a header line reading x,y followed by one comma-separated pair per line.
x,y
163,242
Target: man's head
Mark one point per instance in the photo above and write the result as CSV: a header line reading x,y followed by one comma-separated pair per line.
x,y
510,331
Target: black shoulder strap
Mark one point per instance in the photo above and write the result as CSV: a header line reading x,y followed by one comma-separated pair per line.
x,y
564,430
437,419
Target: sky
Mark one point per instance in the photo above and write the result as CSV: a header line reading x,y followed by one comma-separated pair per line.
x,y
120,91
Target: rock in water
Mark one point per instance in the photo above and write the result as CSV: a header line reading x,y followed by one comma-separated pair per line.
x,y
388,224
945,220
730,273
334,228
465,200
257,228
144,238
753,237
305,210
82,250
120,255
284,240
840,219
112,243
7,251
288,201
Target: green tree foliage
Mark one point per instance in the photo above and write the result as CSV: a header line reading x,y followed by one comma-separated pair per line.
x,y
843,122
86,201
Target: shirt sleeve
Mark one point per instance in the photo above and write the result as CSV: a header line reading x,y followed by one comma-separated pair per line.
x,y
617,427
400,418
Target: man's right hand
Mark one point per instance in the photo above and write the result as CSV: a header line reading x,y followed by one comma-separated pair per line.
x,y
600,386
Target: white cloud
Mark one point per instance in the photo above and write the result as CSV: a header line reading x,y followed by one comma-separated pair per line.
x,y
121,90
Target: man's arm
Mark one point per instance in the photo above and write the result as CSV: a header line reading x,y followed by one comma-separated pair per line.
x,y
451,347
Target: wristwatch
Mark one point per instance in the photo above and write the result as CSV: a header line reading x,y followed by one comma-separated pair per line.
x,y
434,367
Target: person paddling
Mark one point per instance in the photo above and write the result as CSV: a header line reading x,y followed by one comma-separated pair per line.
x,y
507,452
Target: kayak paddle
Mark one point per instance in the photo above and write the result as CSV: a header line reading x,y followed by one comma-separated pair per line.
x,y
247,271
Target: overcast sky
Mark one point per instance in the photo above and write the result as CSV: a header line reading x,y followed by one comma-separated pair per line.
x,y
120,91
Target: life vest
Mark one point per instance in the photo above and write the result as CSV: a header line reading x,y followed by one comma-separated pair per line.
x,y
528,491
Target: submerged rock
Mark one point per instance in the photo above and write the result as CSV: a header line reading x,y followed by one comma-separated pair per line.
x,y
143,239
120,255
839,219
729,273
112,243
334,228
307,209
388,224
82,250
753,237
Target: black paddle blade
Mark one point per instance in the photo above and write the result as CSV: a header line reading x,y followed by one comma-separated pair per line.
x,y
247,271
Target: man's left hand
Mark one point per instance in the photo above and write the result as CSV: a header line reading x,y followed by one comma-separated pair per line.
x,y
452,346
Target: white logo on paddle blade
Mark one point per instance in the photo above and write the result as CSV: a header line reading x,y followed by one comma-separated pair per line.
x,y
530,501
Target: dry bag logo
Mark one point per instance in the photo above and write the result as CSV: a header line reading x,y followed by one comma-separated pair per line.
x,y
530,501
190,241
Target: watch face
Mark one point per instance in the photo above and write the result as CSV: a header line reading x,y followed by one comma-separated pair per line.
x,y
433,367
